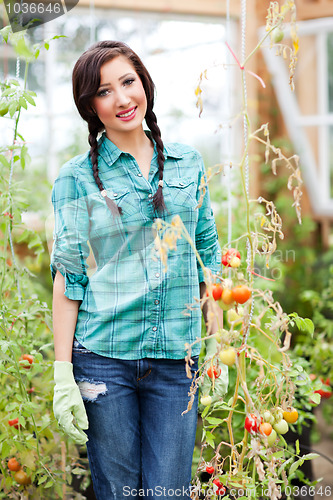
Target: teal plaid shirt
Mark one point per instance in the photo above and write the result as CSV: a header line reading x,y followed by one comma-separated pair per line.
x,y
130,308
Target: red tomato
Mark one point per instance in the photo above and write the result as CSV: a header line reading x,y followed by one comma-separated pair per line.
x,y
229,255
13,464
241,294
217,291
323,392
221,489
14,423
214,371
27,357
209,469
252,423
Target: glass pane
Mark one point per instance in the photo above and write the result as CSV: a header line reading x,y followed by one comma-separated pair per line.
x,y
330,70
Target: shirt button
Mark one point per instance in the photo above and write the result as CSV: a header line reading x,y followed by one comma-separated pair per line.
x,y
154,328
115,194
157,275
157,301
139,175
150,195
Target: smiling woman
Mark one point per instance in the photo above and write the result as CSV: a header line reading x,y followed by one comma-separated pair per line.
x,y
120,334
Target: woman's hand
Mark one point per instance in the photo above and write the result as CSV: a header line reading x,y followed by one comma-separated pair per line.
x,y
68,403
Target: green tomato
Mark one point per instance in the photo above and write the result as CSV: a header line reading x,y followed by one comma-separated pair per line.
x,y
3,108
228,356
281,427
278,35
206,400
271,438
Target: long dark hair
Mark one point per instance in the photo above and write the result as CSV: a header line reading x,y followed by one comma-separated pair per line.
x,y
86,81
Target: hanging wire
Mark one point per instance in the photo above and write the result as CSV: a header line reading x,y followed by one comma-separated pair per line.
x,y
228,133
9,186
247,183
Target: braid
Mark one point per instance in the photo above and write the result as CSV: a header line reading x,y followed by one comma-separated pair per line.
x,y
151,121
93,131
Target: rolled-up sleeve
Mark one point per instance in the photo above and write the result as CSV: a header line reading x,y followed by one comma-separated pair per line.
x,y
206,236
71,225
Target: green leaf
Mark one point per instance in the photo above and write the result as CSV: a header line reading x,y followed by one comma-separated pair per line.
x,y
5,32
204,413
78,470
46,45
297,450
29,99
310,456
295,466
210,439
5,449
4,161
316,398
214,421
7,92
23,103
12,108
284,465
42,479
23,50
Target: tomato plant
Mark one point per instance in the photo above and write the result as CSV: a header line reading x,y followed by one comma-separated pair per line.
x,y
34,460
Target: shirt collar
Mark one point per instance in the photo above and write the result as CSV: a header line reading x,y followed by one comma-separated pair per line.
x,y
110,152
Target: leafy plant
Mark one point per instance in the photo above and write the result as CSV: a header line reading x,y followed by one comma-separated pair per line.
x,y
34,460
241,459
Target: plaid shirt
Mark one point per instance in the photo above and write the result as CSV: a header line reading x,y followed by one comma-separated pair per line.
x,y
131,307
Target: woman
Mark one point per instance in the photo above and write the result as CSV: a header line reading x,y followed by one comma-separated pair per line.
x,y
120,334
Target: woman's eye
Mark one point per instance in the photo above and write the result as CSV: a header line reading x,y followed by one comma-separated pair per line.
x,y
102,93
129,81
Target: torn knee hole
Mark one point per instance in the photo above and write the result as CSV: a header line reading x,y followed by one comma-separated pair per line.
x,y
90,391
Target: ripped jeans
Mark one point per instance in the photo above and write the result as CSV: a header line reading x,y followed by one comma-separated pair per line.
x,y
140,444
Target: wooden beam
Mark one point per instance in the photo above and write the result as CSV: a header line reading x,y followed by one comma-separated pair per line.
x,y
189,7
313,9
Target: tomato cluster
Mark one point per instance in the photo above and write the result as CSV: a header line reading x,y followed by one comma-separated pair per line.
x,y
227,296
20,476
269,424
231,258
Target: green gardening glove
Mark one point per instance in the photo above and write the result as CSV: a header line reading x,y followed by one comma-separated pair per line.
x,y
220,382
68,403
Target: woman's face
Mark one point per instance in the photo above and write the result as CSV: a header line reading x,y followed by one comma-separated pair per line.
x,y
120,101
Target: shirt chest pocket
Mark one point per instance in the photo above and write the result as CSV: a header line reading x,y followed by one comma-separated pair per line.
x,y
181,191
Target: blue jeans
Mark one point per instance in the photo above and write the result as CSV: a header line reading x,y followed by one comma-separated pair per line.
x,y
140,444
